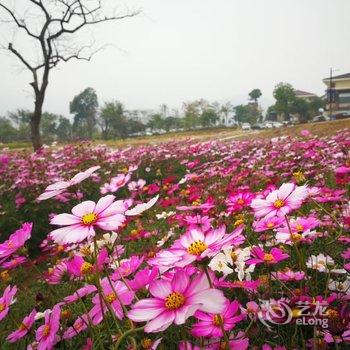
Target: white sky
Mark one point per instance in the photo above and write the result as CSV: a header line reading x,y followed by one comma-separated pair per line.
x,y
182,50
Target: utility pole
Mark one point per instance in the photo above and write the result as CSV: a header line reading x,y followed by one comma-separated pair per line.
x,y
330,93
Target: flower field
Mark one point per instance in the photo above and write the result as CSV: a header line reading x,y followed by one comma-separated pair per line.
x,y
180,245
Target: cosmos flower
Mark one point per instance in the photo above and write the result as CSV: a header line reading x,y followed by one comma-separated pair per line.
x,y
23,329
175,300
116,182
211,325
60,186
6,300
106,214
320,262
16,241
280,202
46,335
115,294
260,257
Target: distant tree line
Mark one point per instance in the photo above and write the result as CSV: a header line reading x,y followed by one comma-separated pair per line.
x,y
112,120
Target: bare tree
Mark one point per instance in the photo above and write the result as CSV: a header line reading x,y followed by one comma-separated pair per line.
x,y
50,26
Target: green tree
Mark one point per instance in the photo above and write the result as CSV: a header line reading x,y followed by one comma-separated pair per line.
x,y
301,107
48,126
21,120
208,117
285,98
315,104
112,120
254,95
84,107
64,129
8,132
156,122
244,114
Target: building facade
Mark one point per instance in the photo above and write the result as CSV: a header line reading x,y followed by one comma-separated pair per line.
x,y
338,95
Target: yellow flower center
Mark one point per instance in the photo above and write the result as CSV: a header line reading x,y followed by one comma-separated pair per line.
x,y
197,248
296,313
268,257
86,268
270,225
66,314
295,237
279,203
239,222
174,301
234,256
22,327
146,343
2,307
217,320
111,297
240,201
331,313
299,228
46,330
89,219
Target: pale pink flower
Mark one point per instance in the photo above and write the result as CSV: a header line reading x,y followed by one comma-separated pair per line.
x,y
280,202
105,214
60,186
116,182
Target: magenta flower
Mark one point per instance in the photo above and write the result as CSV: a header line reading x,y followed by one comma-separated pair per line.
x,y
210,325
143,278
280,202
127,267
6,300
175,300
14,262
268,223
46,335
260,257
114,294
15,241
80,324
60,186
239,201
23,329
105,214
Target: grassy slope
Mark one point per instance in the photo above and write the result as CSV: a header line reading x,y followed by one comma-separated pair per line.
x,y
320,129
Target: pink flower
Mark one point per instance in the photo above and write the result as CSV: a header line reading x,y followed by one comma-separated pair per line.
x,y
14,262
127,267
288,275
211,325
268,223
116,182
46,335
143,278
6,300
260,257
175,300
238,201
114,294
15,241
105,214
23,329
60,186
188,346
56,273
80,324
196,245
238,342
280,202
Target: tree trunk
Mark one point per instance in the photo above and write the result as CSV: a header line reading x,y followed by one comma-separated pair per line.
x,y
35,123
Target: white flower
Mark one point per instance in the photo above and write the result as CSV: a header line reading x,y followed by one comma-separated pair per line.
x,y
220,263
319,262
140,208
339,286
165,214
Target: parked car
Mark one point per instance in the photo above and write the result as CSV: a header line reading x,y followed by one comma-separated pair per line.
x,y
246,126
257,127
277,124
319,118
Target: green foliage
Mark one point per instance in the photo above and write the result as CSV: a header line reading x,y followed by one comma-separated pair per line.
x,y
285,98
84,107
255,94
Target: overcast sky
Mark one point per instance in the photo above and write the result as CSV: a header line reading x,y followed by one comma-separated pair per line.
x,y
182,50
